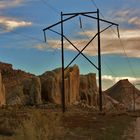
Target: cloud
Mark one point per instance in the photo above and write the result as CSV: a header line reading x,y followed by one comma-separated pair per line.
x,y
124,13
122,16
9,3
116,79
50,46
40,47
128,16
130,40
109,80
9,24
135,21
130,34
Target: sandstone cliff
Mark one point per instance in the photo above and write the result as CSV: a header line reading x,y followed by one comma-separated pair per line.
x,y
2,92
51,85
27,89
20,87
78,87
88,89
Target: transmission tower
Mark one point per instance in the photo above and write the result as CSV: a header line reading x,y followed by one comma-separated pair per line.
x,y
92,15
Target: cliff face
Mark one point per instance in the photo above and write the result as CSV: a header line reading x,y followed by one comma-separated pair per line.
x,y
24,88
88,89
124,92
77,87
2,92
20,87
51,85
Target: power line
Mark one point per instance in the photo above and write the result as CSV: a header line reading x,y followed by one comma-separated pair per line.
x,y
57,11
102,60
29,37
93,2
128,61
25,36
50,6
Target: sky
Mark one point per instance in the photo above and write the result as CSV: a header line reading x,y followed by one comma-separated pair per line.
x,y
22,41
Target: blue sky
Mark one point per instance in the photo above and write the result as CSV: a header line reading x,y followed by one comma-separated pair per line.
x,y
22,43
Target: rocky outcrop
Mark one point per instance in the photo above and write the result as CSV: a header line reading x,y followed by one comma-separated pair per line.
x,y
110,104
88,89
35,91
72,80
77,87
5,68
124,92
2,92
51,85
20,87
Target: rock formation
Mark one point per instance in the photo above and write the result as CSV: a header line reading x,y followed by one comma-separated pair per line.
x,y
110,104
27,89
124,92
51,85
88,89
2,92
20,87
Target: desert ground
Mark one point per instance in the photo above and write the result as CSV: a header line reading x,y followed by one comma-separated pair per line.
x,y
50,123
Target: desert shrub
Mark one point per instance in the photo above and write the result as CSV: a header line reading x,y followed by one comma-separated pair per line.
x,y
41,126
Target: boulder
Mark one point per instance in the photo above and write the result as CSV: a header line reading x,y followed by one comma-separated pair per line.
x,y
51,83
2,92
88,89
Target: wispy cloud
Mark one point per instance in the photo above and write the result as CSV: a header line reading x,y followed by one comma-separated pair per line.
x,y
109,80
116,79
124,13
128,16
40,47
135,21
110,43
9,3
53,44
9,24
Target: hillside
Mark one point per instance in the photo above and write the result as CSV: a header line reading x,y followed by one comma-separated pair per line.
x,y
125,93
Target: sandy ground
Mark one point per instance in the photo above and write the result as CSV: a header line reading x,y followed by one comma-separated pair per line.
x,y
137,129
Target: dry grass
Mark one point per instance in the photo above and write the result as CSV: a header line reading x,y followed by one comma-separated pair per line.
x,y
41,126
92,126
30,123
